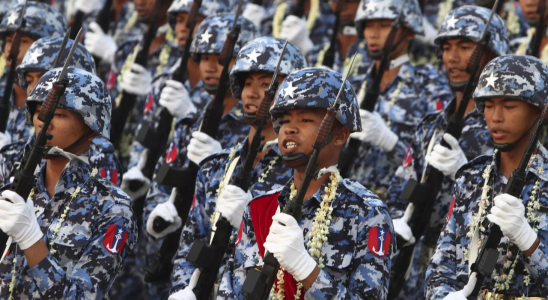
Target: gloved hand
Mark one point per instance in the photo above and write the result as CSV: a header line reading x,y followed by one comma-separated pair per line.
x,y
99,43
168,212
375,131
509,213
430,33
448,161
176,99
254,13
295,30
187,293
5,139
402,229
465,292
87,6
135,174
231,204
137,80
201,146
286,243
17,219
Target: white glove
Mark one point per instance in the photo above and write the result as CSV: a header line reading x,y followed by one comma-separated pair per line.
x,y
87,6
137,81
286,243
375,131
100,44
5,139
402,229
430,33
295,30
201,146
168,212
176,99
509,213
135,174
17,219
187,293
465,292
448,161
232,203
254,13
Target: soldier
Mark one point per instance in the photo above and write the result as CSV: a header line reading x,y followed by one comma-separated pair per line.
x,y
512,95
529,10
76,229
457,38
346,228
40,20
250,76
407,93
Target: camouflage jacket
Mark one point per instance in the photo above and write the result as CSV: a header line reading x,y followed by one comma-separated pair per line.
x,y
449,267
315,56
88,250
414,92
353,268
212,172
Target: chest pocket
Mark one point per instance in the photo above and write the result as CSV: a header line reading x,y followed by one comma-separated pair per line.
x,y
70,241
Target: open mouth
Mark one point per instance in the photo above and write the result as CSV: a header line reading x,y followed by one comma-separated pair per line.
x,y
251,108
211,80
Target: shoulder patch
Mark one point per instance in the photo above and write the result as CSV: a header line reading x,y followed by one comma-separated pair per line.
x,y
115,239
379,241
171,154
110,174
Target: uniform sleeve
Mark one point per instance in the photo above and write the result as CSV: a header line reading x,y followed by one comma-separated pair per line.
x,y
537,263
370,273
95,271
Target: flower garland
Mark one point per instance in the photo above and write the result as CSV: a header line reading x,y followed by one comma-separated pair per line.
x,y
512,19
230,159
444,9
270,166
318,233
279,16
126,67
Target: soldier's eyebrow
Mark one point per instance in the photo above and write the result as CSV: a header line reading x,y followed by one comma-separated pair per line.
x,y
265,76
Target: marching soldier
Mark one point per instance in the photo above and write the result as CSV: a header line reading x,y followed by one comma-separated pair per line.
x,y
250,76
73,234
511,94
40,20
407,93
457,38
343,242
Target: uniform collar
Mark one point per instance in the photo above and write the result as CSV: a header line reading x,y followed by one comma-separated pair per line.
x,y
537,166
406,73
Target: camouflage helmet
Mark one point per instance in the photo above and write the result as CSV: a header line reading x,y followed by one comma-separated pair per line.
x,y
469,22
208,8
41,20
261,55
389,10
517,77
212,32
316,88
42,54
86,96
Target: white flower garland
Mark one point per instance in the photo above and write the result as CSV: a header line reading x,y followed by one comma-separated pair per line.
x,y
319,232
270,166
230,158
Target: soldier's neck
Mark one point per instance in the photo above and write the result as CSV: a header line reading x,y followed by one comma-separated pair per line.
x,y
19,96
509,160
117,6
344,43
269,135
471,105
388,75
54,168
193,72
156,44
315,185
229,102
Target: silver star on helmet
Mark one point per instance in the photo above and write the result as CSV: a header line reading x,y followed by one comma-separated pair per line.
x,y
451,22
186,2
35,55
12,18
254,55
204,38
290,90
491,80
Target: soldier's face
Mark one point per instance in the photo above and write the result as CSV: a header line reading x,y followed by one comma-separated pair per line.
x,y
211,69
299,130
181,31
66,128
508,119
455,55
144,7
26,42
253,91
530,8
376,32
32,79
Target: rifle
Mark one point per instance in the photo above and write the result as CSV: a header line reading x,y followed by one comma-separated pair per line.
x,y
183,193
155,140
209,257
122,111
422,196
329,55
540,30
24,181
12,57
258,283
297,10
372,94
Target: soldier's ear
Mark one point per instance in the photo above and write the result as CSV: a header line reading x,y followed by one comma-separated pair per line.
x,y
341,136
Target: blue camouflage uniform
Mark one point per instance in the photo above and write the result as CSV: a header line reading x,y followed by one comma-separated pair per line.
x,y
354,265
521,78
90,245
41,20
259,55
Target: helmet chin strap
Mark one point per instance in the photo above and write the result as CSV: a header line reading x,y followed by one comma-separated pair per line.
x,y
54,152
507,147
210,88
377,55
457,86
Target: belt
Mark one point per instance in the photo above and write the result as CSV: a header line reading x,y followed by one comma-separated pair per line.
x,y
486,295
